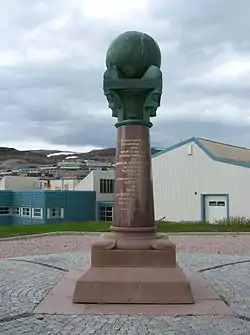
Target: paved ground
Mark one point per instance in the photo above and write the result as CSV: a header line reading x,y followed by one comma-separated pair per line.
x,y
25,281
224,244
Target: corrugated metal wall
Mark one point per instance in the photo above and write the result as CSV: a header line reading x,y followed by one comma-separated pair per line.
x,y
31,200
179,180
5,201
78,206
75,206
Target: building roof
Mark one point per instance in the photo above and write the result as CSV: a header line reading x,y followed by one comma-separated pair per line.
x,y
223,150
218,151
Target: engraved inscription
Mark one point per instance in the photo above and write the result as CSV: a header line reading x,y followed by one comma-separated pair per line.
x,y
131,161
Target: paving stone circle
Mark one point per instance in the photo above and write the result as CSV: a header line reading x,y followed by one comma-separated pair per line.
x,y
25,281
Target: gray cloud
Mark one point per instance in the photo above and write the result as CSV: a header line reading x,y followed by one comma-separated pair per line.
x,y
170,133
52,59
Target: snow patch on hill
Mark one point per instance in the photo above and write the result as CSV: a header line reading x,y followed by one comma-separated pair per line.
x,y
61,153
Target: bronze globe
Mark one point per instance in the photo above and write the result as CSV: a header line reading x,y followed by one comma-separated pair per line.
x,y
133,53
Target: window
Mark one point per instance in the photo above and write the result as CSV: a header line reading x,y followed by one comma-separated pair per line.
x,y
16,211
107,186
217,203
4,210
55,213
37,213
25,211
106,213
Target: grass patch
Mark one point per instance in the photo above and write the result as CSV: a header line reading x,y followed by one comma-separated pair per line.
x,y
232,225
8,231
202,227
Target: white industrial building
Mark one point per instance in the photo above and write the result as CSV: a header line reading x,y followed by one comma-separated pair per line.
x,y
18,183
194,180
21,183
199,179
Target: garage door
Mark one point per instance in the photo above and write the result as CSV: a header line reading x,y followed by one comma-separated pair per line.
x,y
215,207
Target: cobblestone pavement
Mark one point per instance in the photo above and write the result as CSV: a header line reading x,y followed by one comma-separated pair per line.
x,y
25,281
221,243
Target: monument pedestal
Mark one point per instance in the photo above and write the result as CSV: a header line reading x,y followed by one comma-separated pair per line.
x,y
133,285
133,276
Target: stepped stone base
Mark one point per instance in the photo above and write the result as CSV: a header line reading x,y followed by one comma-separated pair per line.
x,y
133,277
59,301
133,285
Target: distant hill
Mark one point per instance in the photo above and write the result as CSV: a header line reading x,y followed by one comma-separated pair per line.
x,y
11,158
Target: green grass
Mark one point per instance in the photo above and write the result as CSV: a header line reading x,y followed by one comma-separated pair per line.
x,y
164,227
7,231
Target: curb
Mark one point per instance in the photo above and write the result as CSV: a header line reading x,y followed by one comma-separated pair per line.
x,y
26,237
58,233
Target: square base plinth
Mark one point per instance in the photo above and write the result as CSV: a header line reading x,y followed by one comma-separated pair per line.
x,y
59,301
133,285
134,258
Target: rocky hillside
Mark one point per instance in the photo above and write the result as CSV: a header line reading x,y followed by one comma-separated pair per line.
x,y
11,158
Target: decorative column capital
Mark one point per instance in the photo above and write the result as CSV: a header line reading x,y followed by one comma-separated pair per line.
x,y
132,82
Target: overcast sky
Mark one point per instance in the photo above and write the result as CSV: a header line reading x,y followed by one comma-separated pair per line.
x,y
52,59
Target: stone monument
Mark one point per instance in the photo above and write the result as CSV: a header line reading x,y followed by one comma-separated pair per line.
x,y
133,264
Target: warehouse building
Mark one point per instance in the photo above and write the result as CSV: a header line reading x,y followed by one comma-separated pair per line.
x,y
194,180
199,179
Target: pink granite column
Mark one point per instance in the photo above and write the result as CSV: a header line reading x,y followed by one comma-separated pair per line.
x,y
134,205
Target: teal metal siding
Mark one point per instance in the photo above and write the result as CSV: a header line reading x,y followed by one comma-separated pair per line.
x,y
78,206
5,201
54,199
31,199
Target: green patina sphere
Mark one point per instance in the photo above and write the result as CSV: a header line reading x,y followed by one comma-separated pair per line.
x,y
133,53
